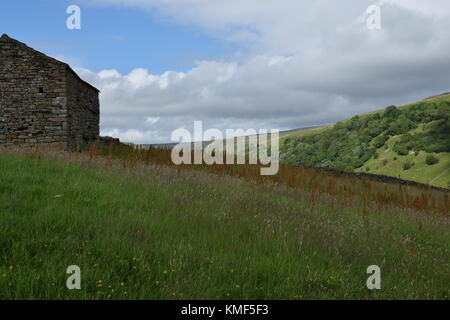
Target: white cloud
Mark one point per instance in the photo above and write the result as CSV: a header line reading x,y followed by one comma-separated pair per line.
x,y
107,74
307,63
436,8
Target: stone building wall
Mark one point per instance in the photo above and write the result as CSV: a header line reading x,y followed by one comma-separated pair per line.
x,y
42,101
83,114
32,97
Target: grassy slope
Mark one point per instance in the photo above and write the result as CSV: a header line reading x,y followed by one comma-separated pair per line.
x,y
437,175
303,132
150,233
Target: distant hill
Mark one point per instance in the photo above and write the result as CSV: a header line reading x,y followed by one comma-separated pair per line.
x,y
411,142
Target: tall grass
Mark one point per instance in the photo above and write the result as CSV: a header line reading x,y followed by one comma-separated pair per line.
x,y
344,190
140,229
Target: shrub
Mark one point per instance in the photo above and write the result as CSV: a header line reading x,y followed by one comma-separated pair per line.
x,y
379,141
401,149
354,123
401,125
385,162
408,165
431,160
391,112
376,155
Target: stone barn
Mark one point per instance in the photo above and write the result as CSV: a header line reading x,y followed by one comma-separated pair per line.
x,y
43,101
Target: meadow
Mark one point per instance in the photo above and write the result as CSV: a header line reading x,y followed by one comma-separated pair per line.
x,y
140,228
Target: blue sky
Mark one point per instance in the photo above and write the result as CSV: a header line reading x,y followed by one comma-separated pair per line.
x,y
121,38
240,64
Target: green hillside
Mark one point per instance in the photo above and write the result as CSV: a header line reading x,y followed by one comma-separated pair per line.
x,y
411,142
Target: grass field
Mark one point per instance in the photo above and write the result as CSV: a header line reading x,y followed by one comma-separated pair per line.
x,y
140,231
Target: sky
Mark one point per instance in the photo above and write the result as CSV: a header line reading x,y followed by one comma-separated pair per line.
x,y
276,64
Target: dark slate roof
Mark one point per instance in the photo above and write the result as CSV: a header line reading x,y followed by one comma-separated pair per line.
x,y
5,37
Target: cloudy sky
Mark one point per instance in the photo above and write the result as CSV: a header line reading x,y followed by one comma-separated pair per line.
x,y
161,64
